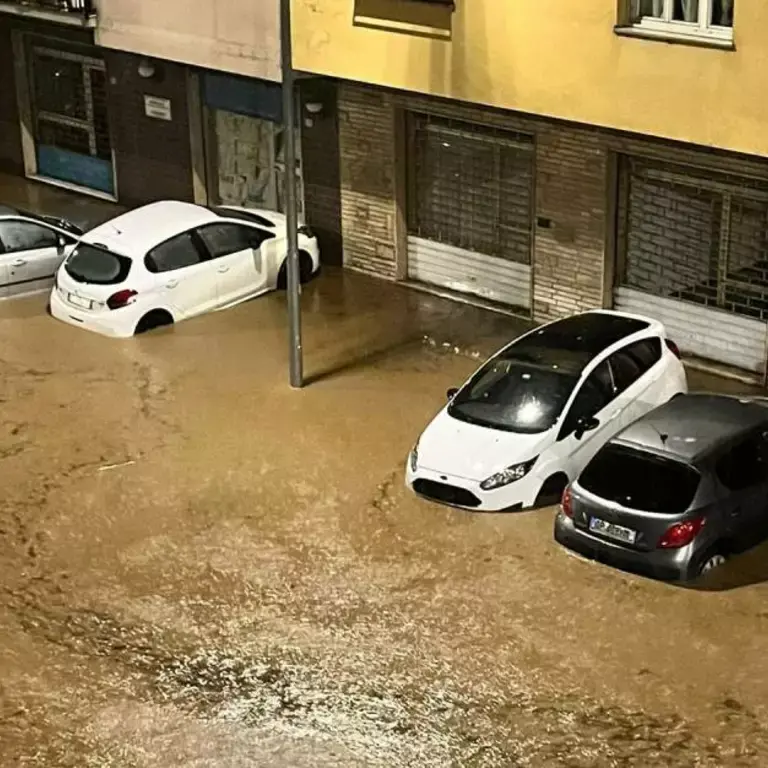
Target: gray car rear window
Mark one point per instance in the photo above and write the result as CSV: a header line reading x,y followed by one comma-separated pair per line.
x,y
640,480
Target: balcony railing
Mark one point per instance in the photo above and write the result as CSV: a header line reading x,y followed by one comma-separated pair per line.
x,y
77,11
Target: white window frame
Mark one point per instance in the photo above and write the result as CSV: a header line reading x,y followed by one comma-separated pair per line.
x,y
668,27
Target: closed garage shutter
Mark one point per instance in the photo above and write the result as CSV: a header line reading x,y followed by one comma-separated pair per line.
x,y
470,209
693,252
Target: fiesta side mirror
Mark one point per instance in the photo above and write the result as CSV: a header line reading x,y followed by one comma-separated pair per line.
x,y
451,392
61,244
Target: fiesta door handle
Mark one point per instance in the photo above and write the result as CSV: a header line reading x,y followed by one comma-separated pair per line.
x,y
18,263
171,283
221,270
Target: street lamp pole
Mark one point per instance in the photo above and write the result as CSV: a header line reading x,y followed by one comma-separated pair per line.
x,y
290,196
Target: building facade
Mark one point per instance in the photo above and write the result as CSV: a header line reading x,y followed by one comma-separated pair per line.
x,y
552,157
134,101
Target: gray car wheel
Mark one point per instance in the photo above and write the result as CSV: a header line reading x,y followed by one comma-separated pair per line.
x,y
712,562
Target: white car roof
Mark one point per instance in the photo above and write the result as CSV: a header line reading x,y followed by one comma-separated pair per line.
x,y
135,232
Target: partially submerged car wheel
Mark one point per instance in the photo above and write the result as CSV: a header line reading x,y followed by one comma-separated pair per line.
x,y
157,318
712,561
552,490
305,271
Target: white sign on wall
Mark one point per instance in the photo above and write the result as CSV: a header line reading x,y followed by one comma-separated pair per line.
x,y
156,107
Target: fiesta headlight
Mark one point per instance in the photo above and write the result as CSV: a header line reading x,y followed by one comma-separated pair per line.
x,y
413,458
508,475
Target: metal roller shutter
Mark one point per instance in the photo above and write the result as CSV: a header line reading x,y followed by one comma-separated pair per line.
x,y
693,251
470,205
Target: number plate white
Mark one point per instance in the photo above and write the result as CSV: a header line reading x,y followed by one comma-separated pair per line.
x,y
612,531
79,301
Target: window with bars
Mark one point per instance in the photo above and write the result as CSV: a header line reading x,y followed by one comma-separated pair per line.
x,y
69,101
471,187
698,239
708,19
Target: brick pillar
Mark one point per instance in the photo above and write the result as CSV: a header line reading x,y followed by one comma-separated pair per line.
x,y
569,251
368,192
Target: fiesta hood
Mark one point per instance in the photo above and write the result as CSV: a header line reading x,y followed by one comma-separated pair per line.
x,y
456,448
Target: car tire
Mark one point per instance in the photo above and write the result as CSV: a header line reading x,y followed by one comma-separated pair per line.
x,y
710,561
157,318
552,490
305,271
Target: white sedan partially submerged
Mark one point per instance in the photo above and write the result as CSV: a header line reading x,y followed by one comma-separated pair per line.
x,y
168,261
528,421
32,246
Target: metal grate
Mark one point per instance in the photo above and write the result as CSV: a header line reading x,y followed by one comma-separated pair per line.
x,y
699,238
471,187
81,7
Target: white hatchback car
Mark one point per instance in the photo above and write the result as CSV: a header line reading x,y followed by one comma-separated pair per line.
x,y
169,260
528,421
32,246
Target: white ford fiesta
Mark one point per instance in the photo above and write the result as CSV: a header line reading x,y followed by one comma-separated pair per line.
x,y
167,261
528,421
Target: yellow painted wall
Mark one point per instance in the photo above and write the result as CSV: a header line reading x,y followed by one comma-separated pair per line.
x,y
557,58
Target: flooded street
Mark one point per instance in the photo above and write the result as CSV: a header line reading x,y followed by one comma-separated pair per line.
x,y
200,567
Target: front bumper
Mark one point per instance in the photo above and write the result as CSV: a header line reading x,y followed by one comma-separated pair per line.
x,y
467,494
119,324
662,564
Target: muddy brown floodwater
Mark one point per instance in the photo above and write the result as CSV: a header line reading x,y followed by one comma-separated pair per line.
x,y
201,567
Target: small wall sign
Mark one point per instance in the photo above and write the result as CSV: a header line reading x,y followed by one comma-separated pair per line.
x,y
156,107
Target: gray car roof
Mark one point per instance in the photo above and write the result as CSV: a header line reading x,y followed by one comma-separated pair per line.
x,y
695,425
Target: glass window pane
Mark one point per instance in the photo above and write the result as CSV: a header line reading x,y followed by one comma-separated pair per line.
x,y
722,13
686,10
651,8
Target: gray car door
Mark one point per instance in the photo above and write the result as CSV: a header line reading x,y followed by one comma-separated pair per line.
x,y
743,471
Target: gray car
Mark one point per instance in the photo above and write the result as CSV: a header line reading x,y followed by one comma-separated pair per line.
x,y
675,493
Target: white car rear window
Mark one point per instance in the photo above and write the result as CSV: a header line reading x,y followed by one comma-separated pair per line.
x,y
98,265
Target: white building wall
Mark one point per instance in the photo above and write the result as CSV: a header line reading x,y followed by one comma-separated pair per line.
x,y
237,37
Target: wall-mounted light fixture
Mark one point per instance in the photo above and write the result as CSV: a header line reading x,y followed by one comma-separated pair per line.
x,y
147,69
313,108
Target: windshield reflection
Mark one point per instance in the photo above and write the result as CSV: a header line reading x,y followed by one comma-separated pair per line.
x,y
517,392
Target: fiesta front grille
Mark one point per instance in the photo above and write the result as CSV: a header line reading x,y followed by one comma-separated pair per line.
x,y
447,494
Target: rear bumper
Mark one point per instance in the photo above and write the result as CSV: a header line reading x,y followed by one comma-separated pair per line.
x,y
666,565
119,324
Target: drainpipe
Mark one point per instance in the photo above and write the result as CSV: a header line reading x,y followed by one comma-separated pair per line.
x,y
291,202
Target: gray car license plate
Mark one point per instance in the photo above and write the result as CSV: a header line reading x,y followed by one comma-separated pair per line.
x,y
612,531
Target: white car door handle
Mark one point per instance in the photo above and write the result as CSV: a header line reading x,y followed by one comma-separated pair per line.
x,y
18,263
171,283
223,269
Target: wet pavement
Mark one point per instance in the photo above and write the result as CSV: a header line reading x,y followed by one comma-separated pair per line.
x,y
202,567
52,200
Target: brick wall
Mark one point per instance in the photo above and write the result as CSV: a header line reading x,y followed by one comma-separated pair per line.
x,y
568,255
569,244
322,170
153,157
367,145
573,217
